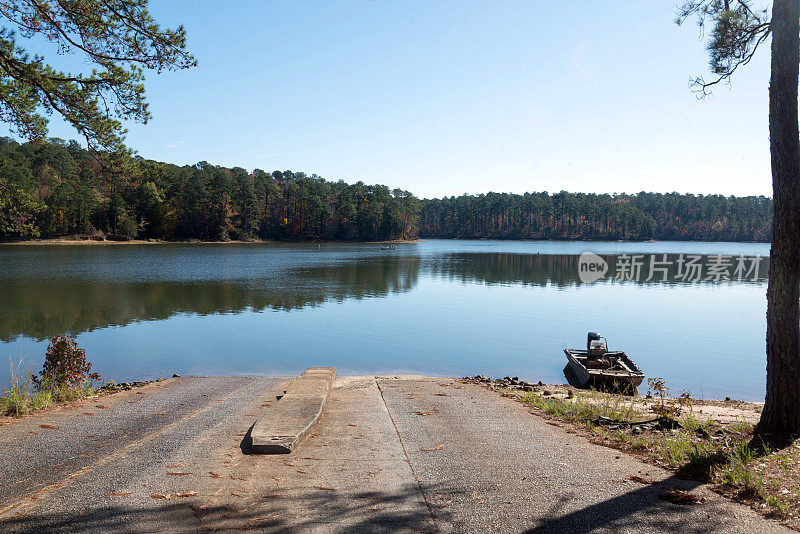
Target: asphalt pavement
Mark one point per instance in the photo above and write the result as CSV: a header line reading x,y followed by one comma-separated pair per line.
x,y
390,454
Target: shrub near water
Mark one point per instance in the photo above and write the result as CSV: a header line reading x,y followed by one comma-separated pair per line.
x,y
66,372
66,375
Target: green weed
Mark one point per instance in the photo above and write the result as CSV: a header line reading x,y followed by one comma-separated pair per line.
x,y
19,397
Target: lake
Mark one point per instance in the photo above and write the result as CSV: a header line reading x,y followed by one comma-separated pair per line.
x,y
435,307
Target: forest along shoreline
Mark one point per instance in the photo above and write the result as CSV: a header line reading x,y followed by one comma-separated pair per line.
x,y
85,240
51,189
699,439
89,241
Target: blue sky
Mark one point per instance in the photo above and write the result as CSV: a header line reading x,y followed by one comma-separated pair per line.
x,y
443,98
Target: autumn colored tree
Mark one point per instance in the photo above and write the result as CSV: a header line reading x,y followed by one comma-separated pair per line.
x,y
18,210
59,189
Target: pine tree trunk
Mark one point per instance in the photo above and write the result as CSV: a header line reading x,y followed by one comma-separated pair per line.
x,y
782,404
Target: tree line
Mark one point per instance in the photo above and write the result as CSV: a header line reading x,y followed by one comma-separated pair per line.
x,y
564,215
53,189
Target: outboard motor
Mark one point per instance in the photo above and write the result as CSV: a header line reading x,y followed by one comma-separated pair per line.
x,y
595,347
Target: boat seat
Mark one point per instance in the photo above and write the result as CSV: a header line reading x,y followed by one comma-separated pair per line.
x,y
600,362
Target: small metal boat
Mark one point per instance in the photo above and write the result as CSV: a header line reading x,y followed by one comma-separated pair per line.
x,y
597,366
388,247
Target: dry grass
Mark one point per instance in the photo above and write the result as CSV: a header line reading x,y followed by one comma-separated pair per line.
x,y
702,449
583,408
22,397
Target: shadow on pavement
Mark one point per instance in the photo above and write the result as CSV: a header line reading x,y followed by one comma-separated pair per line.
x,y
246,446
300,510
637,510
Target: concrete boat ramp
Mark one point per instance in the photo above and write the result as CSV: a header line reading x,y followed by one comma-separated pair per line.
x,y
282,428
382,454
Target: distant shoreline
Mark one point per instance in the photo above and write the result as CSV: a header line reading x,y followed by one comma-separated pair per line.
x,y
63,241
66,241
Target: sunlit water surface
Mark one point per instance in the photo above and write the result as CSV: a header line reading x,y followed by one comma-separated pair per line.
x,y
435,307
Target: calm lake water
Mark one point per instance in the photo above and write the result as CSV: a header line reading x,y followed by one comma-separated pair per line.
x,y
435,307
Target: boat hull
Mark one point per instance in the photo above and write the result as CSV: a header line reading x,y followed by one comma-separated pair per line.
x,y
629,376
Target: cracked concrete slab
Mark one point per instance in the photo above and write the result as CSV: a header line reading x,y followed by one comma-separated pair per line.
x,y
280,429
